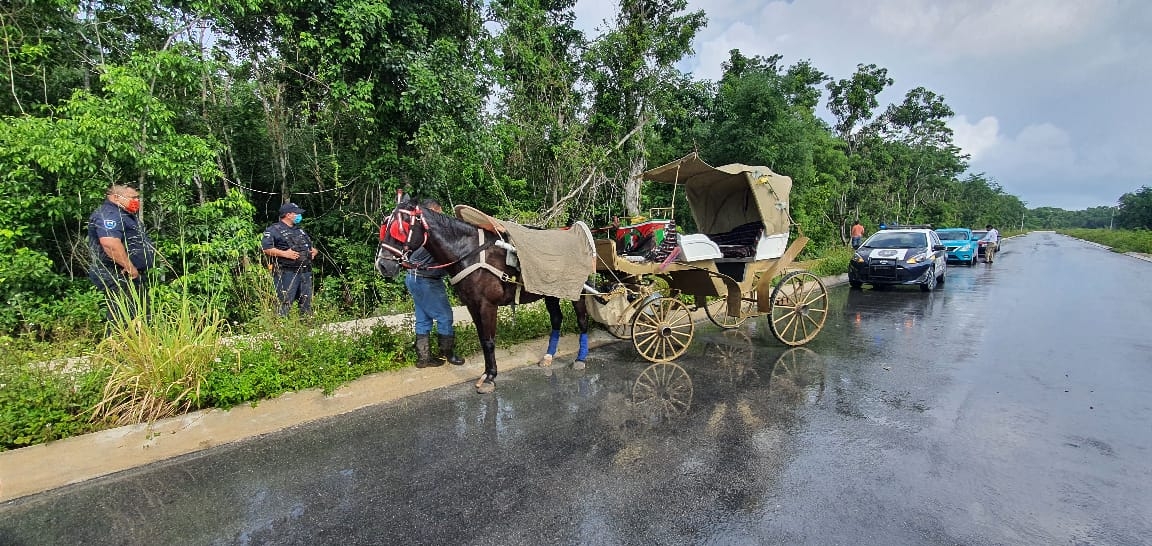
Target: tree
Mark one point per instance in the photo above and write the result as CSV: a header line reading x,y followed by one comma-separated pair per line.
x,y
631,74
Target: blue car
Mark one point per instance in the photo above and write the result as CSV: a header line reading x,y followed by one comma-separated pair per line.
x,y
959,245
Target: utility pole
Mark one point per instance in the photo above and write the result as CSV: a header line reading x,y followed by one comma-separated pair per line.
x,y
1022,219
1113,218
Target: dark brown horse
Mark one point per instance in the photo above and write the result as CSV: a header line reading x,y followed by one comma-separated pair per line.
x,y
456,246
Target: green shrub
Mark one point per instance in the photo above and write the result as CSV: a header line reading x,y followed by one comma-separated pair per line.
x,y
39,404
833,262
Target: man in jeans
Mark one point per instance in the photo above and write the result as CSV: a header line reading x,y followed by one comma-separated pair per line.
x,y
425,282
857,234
989,241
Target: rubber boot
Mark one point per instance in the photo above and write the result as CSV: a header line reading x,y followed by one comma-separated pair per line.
x,y
448,350
424,353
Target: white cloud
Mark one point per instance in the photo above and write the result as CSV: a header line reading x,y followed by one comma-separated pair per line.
x,y
1054,92
975,138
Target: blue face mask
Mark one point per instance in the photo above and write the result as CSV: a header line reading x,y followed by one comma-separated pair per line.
x,y
297,218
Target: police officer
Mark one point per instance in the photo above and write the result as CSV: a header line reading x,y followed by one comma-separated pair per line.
x,y
292,254
121,253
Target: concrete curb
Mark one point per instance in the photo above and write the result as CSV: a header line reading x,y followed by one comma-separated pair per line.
x,y
43,467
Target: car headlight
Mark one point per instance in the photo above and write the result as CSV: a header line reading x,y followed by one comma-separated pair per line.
x,y
918,258
858,258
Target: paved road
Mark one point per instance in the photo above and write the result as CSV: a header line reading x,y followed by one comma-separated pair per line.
x,y
1012,406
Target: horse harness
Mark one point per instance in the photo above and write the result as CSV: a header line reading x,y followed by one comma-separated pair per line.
x,y
400,230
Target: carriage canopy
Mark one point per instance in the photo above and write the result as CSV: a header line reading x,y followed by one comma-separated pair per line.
x,y
723,198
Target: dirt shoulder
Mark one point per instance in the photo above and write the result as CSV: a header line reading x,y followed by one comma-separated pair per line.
x,y
39,468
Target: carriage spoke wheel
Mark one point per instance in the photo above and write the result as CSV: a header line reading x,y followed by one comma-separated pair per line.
x,y
717,310
662,329
663,390
799,375
799,308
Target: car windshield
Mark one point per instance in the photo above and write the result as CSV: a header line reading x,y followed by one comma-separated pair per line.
x,y
952,235
895,240
977,235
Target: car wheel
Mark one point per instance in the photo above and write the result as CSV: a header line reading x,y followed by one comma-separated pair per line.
x,y
972,262
855,284
929,283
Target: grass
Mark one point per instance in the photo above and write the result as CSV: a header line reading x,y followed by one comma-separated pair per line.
x,y
1121,240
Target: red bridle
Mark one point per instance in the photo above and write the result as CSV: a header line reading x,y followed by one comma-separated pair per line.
x,y
398,226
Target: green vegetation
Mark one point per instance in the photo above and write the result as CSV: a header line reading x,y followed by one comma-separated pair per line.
x,y
335,104
172,364
1121,240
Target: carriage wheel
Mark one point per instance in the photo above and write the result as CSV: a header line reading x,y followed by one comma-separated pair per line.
x,y
663,390
799,375
662,329
717,310
799,308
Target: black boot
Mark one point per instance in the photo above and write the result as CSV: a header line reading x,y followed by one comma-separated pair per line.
x,y
424,353
448,350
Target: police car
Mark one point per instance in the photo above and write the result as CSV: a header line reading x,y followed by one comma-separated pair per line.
x,y
900,255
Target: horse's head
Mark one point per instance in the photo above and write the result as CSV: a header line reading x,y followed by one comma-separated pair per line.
x,y
403,232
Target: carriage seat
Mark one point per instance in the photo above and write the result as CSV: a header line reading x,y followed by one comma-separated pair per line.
x,y
479,219
741,241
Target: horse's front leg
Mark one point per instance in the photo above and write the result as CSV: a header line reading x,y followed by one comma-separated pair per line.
x,y
484,317
556,317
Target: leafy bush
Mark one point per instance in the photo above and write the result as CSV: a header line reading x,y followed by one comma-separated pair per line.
x,y
39,404
833,262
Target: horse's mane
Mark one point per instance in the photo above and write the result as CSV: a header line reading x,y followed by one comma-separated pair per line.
x,y
451,227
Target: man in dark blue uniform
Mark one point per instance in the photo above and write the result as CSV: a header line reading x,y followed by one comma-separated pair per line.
x,y
425,282
121,253
292,253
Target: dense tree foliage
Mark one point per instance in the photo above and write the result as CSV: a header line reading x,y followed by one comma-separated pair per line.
x,y
221,110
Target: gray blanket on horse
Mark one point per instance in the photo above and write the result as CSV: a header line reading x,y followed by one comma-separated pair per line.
x,y
554,262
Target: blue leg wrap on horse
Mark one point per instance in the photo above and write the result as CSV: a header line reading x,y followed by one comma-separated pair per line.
x,y
583,352
553,342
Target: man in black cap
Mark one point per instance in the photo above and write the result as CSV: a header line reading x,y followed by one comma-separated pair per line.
x,y
292,253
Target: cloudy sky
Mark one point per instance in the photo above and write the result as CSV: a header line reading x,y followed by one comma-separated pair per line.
x,y
1053,98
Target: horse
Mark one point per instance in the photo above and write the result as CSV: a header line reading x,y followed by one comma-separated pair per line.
x,y
457,245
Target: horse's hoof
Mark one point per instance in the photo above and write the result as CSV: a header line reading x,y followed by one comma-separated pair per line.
x,y
546,361
486,387
578,365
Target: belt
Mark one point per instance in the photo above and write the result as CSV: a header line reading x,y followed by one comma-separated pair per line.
x,y
425,276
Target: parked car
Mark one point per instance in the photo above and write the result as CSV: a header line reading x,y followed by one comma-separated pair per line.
x,y
900,256
978,234
958,244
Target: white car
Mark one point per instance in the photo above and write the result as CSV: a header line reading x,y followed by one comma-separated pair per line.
x,y
901,255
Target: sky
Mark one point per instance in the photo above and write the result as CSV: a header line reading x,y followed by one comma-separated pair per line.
x,y
1053,98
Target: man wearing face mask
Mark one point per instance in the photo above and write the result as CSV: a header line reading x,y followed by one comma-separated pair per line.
x,y
120,252
292,253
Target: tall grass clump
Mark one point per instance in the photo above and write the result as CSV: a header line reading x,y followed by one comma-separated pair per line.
x,y
833,261
157,361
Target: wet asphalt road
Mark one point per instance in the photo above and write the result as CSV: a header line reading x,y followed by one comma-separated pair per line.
x,y
1011,406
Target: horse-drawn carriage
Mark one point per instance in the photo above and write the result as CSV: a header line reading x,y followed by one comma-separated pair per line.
x,y
738,267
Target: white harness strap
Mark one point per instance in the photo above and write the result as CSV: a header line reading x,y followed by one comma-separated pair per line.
x,y
483,264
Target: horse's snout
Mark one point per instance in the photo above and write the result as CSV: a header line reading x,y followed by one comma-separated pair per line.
x,y
386,267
